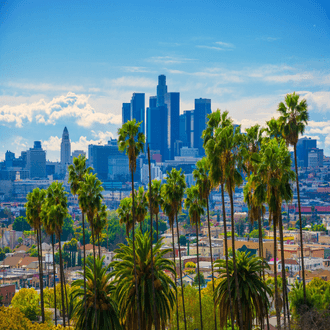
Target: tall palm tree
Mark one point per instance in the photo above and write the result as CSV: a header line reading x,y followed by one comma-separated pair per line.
x,y
57,212
194,204
253,293
100,221
141,208
35,199
272,184
156,199
169,212
123,269
124,212
107,310
77,172
132,142
215,153
294,117
90,193
201,175
173,195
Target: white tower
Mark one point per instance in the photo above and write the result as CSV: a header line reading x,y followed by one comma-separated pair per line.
x,y
65,148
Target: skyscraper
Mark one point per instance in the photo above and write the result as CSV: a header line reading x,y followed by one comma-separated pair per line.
x,y
172,102
126,112
36,161
137,109
202,110
161,90
65,148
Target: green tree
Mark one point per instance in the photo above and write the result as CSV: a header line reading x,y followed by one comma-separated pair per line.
x,y
106,307
183,240
293,118
35,199
195,205
125,283
253,290
99,224
199,281
131,140
67,229
141,208
20,224
156,200
255,234
124,212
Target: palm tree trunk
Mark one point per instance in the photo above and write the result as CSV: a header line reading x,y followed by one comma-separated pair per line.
x,y
151,249
54,273
98,238
141,227
210,242
61,272
66,298
239,311
180,267
226,255
83,225
134,256
95,293
176,292
41,277
277,305
300,224
157,225
199,280
284,283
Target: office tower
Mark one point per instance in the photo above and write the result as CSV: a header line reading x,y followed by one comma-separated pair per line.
x,y
161,90
189,127
172,102
65,148
36,161
315,157
99,155
157,127
77,153
202,110
182,130
303,146
137,110
126,112
9,158
118,168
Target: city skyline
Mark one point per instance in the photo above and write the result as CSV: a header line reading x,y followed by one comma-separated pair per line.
x,y
65,71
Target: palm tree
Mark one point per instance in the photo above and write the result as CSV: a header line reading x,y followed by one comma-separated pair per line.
x,y
156,199
90,196
77,173
99,223
141,208
33,207
123,270
195,205
294,117
124,212
173,195
253,293
107,310
201,175
272,184
132,142
215,152
56,213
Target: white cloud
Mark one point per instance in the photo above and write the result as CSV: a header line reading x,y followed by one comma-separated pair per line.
x,y
52,144
132,82
104,136
168,59
318,101
225,44
135,69
45,87
211,47
70,106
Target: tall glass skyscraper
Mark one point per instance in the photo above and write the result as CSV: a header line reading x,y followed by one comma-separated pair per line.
x,y
161,90
137,109
126,112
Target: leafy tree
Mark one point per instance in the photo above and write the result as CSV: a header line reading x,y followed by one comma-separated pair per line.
x,y
20,224
183,240
190,268
319,228
199,281
2,254
255,233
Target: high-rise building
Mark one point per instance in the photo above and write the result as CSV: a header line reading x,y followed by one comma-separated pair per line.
x,y
36,161
77,153
161,90
189,127
65,148
172,102
304,145
137,110
202,110
126,112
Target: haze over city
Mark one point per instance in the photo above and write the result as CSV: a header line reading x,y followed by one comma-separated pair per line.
x,y
74,64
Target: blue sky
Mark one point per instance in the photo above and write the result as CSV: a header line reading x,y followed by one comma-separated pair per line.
x,y
74,62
